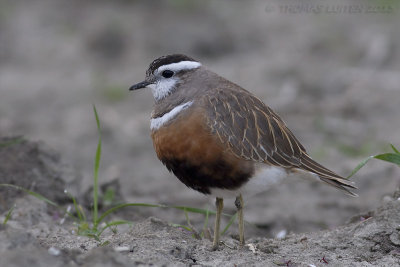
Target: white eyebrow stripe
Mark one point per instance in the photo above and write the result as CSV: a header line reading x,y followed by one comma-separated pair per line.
x,y
175,67
156,123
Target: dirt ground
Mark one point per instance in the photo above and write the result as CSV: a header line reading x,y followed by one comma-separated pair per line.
x,y
332,76
41,235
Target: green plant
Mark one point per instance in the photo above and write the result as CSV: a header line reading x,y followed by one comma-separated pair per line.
x,y
392,157
8,216
96,172
12,141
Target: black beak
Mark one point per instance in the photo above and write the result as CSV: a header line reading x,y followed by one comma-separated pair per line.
x,y
139,85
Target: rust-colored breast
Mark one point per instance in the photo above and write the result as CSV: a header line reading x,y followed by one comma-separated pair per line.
x,y
188,149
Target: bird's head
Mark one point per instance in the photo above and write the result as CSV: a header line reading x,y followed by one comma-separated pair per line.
x,y
165,74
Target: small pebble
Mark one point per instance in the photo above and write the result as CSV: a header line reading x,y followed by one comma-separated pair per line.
x,y
387,199
122,249
376,248
281,234
251,247
395,238
54,251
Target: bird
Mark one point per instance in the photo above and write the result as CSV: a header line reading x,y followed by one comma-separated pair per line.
x,y
221,140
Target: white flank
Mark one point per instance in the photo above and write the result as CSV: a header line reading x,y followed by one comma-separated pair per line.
x,y
156,123
264,179
164,86
175,67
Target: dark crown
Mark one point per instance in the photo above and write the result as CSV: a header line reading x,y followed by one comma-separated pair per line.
x,y
165,60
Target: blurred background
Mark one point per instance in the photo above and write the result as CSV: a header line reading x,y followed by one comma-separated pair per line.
x,y
331,69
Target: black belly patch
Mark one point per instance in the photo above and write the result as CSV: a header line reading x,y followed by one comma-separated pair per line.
x,y
204,177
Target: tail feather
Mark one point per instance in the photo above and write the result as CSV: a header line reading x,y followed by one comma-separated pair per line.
x,y
327,175
341,184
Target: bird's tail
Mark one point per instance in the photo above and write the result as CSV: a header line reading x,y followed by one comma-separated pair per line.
x,y
326,175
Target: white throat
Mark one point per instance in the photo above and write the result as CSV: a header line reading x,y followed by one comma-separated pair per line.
x,y
165,86
156,123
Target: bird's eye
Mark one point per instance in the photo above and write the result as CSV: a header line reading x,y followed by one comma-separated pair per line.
x,y
167,73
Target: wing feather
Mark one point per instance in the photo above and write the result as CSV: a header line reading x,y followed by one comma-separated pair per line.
x,y
253,131
250,129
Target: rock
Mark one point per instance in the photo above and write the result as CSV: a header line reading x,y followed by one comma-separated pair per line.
x,y
395,238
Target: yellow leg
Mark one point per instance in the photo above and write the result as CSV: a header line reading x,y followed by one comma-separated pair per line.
x,y
219,203
239,206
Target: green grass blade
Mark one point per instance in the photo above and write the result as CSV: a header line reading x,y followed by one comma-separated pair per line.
x,y
183,208
394,149
114,209
181,226
13,141
187,217
37,195
83,228
197,210
78,209
91,234
194,210
231,220
40,197
389,157
82,212
359,166
8,216
96,171
113,223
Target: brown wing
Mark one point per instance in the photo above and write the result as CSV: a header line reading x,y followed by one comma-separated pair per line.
x,y
253,131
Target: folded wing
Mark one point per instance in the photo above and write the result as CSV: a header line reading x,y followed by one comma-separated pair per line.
x,y
253,131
